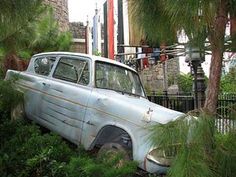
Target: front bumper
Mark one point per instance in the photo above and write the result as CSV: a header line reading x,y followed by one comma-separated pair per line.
x,y
158,161
153,167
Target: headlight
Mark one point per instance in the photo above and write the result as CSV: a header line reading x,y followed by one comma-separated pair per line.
x,y
161,157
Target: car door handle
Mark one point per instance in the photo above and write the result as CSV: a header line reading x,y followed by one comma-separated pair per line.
x,y
45,84
90,123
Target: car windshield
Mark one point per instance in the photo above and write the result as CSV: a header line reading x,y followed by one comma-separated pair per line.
x,y
113,77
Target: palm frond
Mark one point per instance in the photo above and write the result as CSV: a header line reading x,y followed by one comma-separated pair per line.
x,y
193,141
148,17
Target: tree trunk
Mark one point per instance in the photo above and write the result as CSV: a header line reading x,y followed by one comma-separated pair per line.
x,y
233,30
11,61
216,37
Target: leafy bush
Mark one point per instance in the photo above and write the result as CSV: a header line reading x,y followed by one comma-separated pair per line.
x,y
25,151
28,153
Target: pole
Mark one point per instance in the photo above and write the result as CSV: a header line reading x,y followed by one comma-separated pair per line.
x,y
165,84
110,29
195,88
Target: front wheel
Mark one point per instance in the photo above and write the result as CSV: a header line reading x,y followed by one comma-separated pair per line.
x,y
114,153
18,112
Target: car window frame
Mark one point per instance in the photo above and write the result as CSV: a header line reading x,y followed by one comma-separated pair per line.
x,y
76,57
95,68
33,66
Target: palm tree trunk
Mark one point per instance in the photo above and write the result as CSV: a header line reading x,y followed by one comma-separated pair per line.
x,y
216,38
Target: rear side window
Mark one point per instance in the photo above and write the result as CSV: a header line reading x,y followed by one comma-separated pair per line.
x,y
43,65
74,70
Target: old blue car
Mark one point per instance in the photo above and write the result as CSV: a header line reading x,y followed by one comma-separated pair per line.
x,y
93,102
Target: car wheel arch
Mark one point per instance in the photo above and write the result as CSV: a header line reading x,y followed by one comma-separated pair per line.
x,y
112,133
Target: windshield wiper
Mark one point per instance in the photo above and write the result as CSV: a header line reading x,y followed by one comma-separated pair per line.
x,y
128,93
122,92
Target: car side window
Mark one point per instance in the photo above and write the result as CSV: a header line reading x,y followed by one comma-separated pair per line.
x,y
43,65
74,70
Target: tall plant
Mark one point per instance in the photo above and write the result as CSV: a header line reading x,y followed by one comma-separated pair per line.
x,y
39,33
160,20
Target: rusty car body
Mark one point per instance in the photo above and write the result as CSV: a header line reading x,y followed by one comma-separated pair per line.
x,y
92,101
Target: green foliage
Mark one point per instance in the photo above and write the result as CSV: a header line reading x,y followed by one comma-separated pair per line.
x,y
225,154
228,82
30,28
1,72
28,153
16,15
148,89
185,82
90,167
97,53
47,36
9,97
17,21
25,151
149,17
200,150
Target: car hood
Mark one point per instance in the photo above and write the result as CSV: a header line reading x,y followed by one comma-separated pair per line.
x,y
160,114
137,109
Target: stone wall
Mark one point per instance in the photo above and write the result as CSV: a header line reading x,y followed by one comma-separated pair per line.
x,y
61,12
153,76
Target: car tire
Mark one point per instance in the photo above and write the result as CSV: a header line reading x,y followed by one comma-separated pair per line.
x,y
18,112
109,151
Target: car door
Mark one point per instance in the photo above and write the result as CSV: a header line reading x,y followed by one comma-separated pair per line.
x,y
65,97
34,79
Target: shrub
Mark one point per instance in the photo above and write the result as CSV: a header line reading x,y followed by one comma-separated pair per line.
x,y
25,151
94,168
200,149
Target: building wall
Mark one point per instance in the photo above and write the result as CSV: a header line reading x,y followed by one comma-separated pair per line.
x,y
61,12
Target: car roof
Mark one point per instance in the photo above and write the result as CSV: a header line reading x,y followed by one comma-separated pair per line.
x,y
92,57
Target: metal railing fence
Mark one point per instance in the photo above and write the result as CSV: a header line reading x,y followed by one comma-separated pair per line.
x,y
226,107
